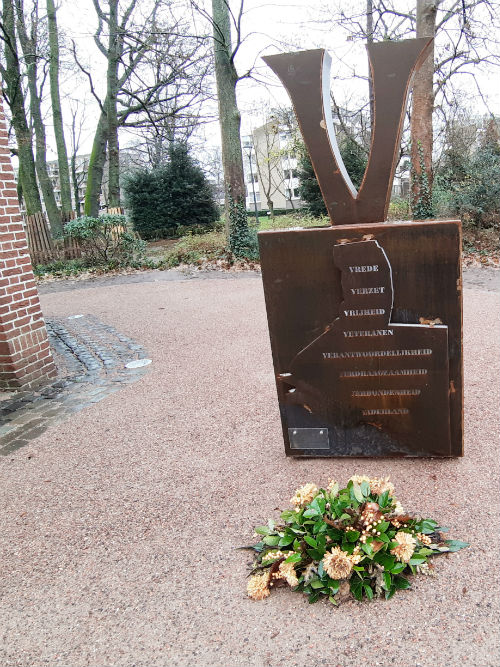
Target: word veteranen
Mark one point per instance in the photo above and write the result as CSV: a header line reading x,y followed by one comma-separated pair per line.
x,y
371,332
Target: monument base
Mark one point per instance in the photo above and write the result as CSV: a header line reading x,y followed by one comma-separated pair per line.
x,y
366,333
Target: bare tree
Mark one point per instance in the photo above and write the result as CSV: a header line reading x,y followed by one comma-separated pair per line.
x,y
13,93
29,32
149,57
62,154
466,43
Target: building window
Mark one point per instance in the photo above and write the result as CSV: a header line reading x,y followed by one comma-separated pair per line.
x,y
296,193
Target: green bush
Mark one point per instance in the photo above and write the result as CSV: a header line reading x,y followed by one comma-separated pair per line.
x,y
354,159
105,239
167,198
192,249
399,209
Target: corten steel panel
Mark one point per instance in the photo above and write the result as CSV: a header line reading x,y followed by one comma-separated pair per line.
x,y
365,326
306,77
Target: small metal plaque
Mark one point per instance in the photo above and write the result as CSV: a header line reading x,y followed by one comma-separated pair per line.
x,y
309,438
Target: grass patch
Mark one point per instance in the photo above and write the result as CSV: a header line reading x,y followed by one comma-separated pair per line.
x,y
196,249
290,220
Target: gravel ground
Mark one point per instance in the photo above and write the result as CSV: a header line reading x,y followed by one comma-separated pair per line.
x,y
119,526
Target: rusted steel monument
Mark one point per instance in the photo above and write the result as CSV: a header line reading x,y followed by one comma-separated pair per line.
x,y
365,316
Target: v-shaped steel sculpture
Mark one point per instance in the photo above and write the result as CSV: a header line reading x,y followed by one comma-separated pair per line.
x,y
306,77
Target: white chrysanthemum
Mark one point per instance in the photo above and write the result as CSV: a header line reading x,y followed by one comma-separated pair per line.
x,y
304,495
405,548
379,485
258,586
287,572
337,564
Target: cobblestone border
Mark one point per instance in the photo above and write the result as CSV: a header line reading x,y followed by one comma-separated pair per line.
x,y
92,358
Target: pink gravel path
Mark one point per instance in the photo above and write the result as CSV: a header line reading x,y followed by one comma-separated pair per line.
x,y
118,526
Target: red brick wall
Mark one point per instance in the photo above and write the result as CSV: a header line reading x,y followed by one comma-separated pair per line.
x,y
25,356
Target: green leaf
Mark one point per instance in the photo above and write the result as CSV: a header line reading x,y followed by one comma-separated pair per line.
x,y
262,530
315,555
383,538
334,490
367,549
321,570
287,514
385,560
383,526
389,594
352,535
316,583
383,499
319,505
343,517
332,600
333,585
398,567
356,586
272,540
313,597
271,524
456,545
401,583
356,490
358,568
387,581
425,551
293,558
296,545
365,489
368,591
310,513
310,541
285,541
427,526
336,535
417,560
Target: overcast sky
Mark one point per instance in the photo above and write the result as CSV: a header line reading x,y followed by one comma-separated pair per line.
x,y
268,28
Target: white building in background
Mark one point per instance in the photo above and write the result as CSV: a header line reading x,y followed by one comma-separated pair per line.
x,y
270,168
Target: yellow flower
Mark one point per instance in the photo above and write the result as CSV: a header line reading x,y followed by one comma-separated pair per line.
x,y
398,509
379,485
406,546
359,479
356,556
258,586
337,564
287,572
274,555
304,495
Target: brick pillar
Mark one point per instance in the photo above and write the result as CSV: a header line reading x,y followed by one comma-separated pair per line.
x,y
25,356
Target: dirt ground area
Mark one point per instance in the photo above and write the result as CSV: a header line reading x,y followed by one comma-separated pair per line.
x,y
120,526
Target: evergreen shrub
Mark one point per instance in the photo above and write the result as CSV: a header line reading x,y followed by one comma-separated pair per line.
x,y
165,201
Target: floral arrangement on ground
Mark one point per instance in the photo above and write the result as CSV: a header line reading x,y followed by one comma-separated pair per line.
x,y
337,543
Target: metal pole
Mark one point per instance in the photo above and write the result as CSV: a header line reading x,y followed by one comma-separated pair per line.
x,y
253,187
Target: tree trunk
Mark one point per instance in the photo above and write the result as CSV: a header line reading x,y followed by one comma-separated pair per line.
x,y
62,154
270,206
229,115
369,39
12,75
96,167
29,47
114,51
421,114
